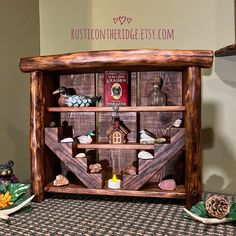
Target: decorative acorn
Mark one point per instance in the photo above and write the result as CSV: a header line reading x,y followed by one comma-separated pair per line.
x,y
217,206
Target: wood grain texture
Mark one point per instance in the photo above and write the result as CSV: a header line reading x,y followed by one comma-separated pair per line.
x,y
64,153
37,134
134,60
192,117
147,168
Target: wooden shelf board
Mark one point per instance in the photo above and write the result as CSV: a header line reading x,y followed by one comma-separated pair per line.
x,y
146,191
133,146
226,51
121,109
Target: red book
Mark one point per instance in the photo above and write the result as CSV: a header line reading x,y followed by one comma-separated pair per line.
x,y
116,88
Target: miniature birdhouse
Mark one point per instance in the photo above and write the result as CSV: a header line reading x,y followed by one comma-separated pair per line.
x,y
117,133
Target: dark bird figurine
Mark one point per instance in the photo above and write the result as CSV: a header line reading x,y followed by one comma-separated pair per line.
x,y
69,98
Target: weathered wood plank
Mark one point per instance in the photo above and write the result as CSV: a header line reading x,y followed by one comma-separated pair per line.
x,y
163,153
64,153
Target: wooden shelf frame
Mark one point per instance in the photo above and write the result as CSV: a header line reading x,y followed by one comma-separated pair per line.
x,y
44,77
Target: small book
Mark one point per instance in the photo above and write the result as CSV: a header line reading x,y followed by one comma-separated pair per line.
x,y
116,88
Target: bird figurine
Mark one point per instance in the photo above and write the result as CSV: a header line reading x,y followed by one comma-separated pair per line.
x,y
86,139
146,137
69,98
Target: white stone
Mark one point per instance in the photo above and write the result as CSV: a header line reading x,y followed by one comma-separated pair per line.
x,y
145,155
67,140
80,155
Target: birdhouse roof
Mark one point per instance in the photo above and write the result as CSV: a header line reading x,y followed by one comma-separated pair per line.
x,y
118,127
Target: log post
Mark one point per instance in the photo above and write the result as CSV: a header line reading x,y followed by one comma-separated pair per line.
x,y
192,100
36,134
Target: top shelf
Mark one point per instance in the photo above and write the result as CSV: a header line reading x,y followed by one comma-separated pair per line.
x,y
121,109
129,60
226,51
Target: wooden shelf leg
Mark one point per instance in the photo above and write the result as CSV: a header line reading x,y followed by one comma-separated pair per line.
x,y
192,99
36,134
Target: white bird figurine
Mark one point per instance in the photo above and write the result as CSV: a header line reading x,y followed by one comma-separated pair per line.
x,y
86,139
146,137
69,98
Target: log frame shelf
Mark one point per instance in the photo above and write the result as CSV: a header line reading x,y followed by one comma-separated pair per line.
x,y
179,158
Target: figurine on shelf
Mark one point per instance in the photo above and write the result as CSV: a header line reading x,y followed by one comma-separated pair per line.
x,y
178,123
6,173
68,98
117,133
86,139
146,137
156,97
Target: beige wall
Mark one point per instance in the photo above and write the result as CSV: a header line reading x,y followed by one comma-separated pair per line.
x,y
19,24
197,25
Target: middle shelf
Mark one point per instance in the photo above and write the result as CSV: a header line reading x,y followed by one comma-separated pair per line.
x,y
133,146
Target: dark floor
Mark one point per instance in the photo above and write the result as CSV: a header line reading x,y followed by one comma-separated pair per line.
x,y
97,215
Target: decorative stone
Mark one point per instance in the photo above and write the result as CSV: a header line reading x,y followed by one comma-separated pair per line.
x,y
52,124
145,155
160,140
95,168
80,155
178,123
130,170
67,140
60,181
167,184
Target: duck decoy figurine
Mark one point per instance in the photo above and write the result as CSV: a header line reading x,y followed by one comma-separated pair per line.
x,y
86,139
69,98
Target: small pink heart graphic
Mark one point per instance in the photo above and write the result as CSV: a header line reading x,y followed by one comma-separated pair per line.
x,y
129,19
115,19
122,19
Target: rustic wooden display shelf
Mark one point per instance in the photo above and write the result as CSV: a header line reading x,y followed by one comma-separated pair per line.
x,y
180,158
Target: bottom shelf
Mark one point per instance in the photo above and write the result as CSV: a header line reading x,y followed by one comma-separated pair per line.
x,y
148,190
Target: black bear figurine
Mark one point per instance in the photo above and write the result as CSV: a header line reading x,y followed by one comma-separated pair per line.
x,y
6,173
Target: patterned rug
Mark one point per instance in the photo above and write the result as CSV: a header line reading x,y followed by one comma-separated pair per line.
x,y
97,215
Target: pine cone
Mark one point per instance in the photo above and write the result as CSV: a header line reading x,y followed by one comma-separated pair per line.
x,y
217,206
